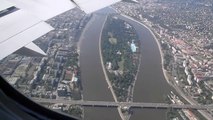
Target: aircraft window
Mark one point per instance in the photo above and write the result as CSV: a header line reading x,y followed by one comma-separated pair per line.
x,y
120,61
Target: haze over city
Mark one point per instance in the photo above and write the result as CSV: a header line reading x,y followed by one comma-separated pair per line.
x,y
149,59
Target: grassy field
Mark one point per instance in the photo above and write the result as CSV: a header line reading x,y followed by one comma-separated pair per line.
x,y
121,64
113,41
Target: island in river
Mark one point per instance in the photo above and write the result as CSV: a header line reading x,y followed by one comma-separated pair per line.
x,y
121,56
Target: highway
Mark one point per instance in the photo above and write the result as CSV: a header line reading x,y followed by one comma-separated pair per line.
x,y
126,104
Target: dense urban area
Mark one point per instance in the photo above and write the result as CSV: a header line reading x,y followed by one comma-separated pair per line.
x,y
184,29
56,76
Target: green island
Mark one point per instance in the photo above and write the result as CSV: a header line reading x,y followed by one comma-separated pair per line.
x,y
120,48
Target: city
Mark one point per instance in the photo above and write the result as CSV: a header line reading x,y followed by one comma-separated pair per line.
x,y
184,31
183,28
55,76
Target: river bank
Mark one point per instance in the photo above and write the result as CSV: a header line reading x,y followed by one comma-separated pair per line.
x,y
94,83
159,46
105,74
150,85
148,88
125,64
187,98
178,90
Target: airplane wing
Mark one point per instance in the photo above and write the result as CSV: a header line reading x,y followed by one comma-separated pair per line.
x,y
89,6
44,9
22,21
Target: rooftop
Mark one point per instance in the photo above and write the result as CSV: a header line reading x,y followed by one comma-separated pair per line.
x,y
133,47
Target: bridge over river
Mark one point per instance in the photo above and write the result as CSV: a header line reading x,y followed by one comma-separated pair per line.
x,y
126,104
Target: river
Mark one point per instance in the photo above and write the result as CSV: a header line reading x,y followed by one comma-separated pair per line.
x,y
93,81
151,85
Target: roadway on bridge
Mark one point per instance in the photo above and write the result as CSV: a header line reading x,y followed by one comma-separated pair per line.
x,y
127,104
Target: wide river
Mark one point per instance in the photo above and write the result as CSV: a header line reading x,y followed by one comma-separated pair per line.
x,y
151,85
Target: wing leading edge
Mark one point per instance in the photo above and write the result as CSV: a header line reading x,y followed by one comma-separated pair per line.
x,y
22,21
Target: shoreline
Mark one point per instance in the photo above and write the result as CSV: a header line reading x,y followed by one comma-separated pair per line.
x,y
104,70
177,89
100,53
159,46
78,51
81,37
81,42
130,89
84,30
102,64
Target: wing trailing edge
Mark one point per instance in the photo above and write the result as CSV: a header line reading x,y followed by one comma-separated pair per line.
x,y
31,50
89,6
44,9
22,21
18,29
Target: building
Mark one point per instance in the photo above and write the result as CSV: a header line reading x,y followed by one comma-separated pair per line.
x,y
74,79
189,79
68,75
62,90
109,65
133,47
12,80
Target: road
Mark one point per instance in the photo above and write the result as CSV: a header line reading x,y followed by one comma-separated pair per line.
x,y
127,104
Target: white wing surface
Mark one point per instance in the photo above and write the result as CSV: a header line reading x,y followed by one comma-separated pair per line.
x,y
89,6
4,5
22,21
19,29
44,9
